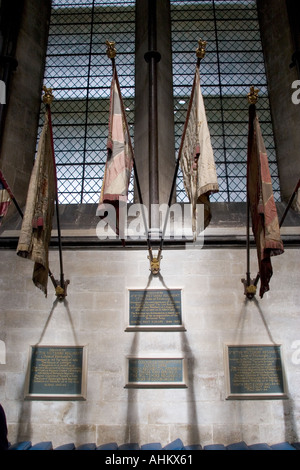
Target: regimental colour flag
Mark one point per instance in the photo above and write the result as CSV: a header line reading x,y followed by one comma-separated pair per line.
x,y
37,221
5,197
119,163
265,225
196,156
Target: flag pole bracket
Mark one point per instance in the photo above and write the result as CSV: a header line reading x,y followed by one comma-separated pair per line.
x,y
249,288
154,262
61,292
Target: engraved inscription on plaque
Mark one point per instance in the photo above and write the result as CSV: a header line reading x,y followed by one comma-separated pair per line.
x,y
255,371
155,308
156,372
56,372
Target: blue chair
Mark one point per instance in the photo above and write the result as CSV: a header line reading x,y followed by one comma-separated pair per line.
x,y
89,446
47,445
109,446
193,447
174,445
237,446
70,446
214,447
283,446
129,446
260,446
296,445
23,445
152,446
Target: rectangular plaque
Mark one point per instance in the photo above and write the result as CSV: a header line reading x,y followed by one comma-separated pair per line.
x,y
56,372
156,372
255,371
155,309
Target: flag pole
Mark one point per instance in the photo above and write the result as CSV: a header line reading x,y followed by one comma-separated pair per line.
x,y
111,53
249,284
61,287
200,54
5,184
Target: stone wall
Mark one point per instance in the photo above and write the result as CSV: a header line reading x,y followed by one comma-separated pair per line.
x,y
23,103
95,314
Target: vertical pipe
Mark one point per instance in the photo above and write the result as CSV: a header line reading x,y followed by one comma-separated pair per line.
x,y
152,57
293,10
10,21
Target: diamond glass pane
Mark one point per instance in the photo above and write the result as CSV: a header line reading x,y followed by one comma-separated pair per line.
x,y
79,72
233,62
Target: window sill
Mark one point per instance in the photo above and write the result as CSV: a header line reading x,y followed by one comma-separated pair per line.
x,y
78,229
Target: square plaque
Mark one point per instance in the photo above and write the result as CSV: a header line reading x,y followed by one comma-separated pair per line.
x,y
56,373
254,371
156,372
155,309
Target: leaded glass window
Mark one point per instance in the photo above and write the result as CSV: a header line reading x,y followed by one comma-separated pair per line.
x,y
79,72
234,61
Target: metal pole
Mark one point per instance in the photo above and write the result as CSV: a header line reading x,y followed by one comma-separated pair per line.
x,y
152,57
249,284
62,280
252,99
248,242
61,290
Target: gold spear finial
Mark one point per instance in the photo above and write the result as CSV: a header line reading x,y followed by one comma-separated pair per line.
x,y
253,95
111,50
200,51
48,96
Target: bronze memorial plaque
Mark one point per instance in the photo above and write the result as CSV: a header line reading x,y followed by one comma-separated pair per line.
x,y
56,372
255,371
156,372
155,309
